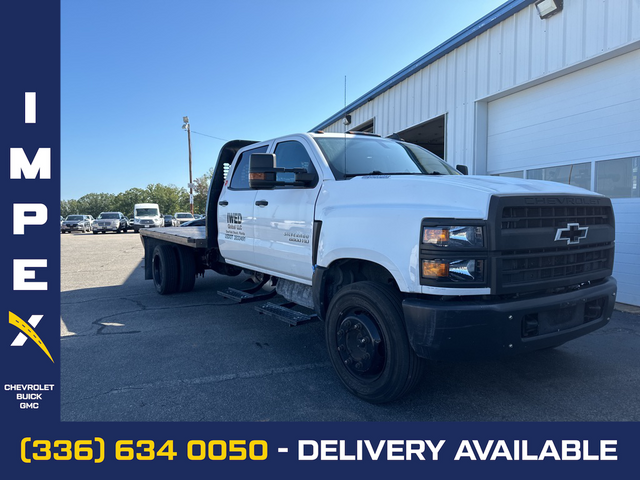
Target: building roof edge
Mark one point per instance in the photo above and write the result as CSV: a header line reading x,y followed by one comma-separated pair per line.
x,y
501,13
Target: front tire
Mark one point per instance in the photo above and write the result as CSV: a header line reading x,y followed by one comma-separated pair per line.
x,y
165,269
368,344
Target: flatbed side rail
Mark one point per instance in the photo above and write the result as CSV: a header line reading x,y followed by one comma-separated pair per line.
x,y
188,236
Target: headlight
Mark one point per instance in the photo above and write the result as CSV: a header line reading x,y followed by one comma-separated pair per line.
x,y
454,255
453,236
454,271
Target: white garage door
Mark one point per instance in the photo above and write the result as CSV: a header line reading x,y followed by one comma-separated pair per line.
x,y
586,118
592,113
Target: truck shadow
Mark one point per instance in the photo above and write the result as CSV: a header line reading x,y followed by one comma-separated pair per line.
x,y
157,350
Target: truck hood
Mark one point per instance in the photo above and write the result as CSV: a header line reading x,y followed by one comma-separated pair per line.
x,y
446,196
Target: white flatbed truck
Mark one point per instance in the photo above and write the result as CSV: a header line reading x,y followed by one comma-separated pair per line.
x,y
399,254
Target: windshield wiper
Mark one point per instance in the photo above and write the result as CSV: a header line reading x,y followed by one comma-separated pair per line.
x,y
378,172
375,172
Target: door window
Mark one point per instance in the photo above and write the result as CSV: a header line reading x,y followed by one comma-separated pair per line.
x,y
292,154
240,179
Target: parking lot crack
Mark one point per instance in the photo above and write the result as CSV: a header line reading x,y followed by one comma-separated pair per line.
x,y
212,379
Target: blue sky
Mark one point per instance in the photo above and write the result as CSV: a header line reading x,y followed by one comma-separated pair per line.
x,y
250,69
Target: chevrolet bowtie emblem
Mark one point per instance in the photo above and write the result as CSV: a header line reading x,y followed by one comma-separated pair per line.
x,y
573,233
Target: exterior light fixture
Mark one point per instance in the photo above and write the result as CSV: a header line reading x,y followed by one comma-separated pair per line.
x,y
548,8
347,119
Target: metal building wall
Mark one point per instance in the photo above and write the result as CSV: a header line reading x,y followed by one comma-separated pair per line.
x,y
518,52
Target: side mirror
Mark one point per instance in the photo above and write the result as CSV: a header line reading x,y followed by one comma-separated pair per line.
x,y
463,169
263,173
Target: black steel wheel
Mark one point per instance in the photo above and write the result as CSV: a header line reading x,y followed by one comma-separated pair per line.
x,y
165,269
368,345
187,269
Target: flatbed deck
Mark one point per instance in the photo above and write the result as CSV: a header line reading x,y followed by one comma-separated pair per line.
x,y
195,237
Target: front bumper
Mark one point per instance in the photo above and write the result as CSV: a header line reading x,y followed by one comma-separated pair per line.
x,y
73,228
457,330
146,225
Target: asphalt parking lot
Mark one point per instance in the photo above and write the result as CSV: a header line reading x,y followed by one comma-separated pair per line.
x,y
129,354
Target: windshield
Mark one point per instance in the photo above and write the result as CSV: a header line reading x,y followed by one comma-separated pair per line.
x,y
349,157
184,215
108,216
75,217
146,212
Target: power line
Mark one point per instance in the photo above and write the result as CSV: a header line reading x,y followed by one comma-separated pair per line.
x,y
210,136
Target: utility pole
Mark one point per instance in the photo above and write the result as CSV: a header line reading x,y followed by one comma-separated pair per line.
x,y
187,127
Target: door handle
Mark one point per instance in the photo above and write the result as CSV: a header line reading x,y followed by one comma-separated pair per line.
x,y
223,203
262,203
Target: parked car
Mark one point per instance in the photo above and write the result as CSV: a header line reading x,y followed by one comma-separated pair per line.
x,y
169,221
198,222
146,215
182,217
111,222
77,223
198,215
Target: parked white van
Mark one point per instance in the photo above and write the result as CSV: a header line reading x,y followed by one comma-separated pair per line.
x,y
146,215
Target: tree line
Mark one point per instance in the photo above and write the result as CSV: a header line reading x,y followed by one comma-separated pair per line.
x,y
169,198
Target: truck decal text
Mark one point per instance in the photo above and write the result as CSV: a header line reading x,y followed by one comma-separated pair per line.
x,y
234,218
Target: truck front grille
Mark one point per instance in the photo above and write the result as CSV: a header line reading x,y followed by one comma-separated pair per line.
x,y
535,248
525,217
543,265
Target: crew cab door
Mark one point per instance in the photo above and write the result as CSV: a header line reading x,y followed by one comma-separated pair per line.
x,y
284,217
235,212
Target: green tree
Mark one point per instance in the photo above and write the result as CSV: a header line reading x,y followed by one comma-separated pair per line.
x,y
201,191
124,201
69,207
169,198
95,203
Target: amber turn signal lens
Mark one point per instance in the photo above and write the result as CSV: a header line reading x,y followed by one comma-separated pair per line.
x,y
435,236
431,269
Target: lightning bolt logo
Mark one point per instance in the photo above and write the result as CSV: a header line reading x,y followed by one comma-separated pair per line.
x,y
16,321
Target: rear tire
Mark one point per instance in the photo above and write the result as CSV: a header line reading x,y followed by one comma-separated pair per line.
x,y
368,344
187,269
165,269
